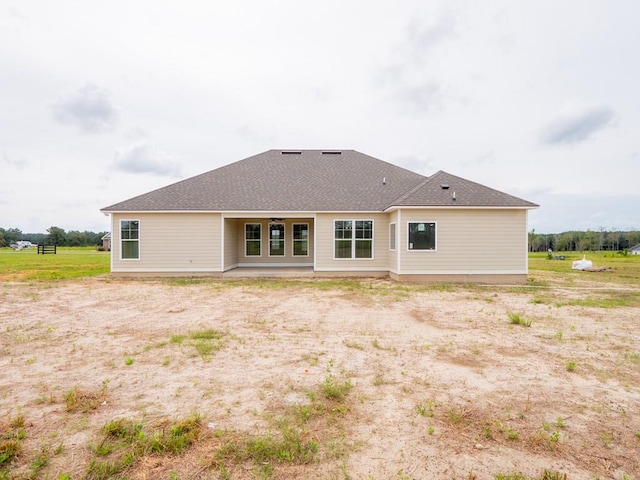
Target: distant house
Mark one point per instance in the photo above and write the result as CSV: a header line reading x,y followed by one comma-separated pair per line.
x,y
106,241
635,250
333,212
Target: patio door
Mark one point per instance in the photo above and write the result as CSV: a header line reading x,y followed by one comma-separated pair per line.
x,y
276,240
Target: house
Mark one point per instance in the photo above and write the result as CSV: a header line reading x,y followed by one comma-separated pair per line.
x,y
635,250
106,241
333,212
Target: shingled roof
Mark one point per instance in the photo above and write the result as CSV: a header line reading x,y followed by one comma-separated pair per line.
x,y
314,181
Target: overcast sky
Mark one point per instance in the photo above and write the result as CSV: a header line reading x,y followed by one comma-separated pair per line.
x,y
102,101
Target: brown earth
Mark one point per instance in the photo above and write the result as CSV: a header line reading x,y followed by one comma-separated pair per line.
x,y
444,384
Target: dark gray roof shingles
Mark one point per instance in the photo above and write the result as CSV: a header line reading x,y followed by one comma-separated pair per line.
x,y
311,181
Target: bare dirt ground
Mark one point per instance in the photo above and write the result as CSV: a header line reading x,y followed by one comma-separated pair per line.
x,y
445,386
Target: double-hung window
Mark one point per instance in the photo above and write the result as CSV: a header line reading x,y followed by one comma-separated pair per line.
x,y
252,239
130,239
300,239
353,239
422,236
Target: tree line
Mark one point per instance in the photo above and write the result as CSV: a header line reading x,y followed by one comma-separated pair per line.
x,y
54,236
578,241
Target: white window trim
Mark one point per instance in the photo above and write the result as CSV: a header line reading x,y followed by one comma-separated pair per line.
x,y
435,247
293,240
395,237
353,238
127,240
284,240
245,240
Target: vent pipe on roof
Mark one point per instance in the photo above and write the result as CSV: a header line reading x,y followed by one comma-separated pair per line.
x,y
453,196
384,180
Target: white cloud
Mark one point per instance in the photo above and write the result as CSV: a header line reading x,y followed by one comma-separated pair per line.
x,y
88,108
145,157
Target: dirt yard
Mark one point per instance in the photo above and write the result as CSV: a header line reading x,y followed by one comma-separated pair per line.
x,y
440,382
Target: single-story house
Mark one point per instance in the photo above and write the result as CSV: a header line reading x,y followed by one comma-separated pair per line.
x,y
333,212
106,241
635,250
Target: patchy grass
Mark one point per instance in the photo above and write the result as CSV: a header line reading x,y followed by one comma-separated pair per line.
x,y
517,319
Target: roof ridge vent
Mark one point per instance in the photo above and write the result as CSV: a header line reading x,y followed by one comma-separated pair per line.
x,y
331,152
291,152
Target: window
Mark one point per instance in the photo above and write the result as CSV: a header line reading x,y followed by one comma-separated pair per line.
x,y
276,240
130,239
353,239
252,239
422,236
300,239
392,236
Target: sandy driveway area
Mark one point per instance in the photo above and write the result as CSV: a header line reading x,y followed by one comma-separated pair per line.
x,y
447,382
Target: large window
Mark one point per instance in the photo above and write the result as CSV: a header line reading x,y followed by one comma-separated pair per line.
x,y
130,239
353,239
422,236
252,239
276,240
300,239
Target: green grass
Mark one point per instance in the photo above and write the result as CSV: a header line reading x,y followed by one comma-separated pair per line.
x,y
69,262
123,442
516,319
626,270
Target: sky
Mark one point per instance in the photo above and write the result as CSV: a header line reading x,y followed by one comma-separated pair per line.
x,y
103,101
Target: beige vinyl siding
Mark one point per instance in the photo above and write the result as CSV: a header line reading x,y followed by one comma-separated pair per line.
x,y
171,242
264,259
231,233
325,239
467,241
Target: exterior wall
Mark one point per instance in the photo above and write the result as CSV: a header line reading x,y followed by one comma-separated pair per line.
x,y
468,242
170,242
231,234
325,243
288,259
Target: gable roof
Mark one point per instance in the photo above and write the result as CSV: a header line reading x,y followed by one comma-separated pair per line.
x,y
445,190
311,181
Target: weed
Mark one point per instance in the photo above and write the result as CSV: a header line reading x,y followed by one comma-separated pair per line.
x,y
84,401
559,336
431,430
352,344
511,434
571,366
516,319
39,462
333,389
633,357
607,439
124,441
638,435
129,361
545,475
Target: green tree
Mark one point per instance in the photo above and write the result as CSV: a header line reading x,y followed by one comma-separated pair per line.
x,y
56,236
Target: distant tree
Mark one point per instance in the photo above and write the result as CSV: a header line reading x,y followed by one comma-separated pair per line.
x,y
56,236
10,235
